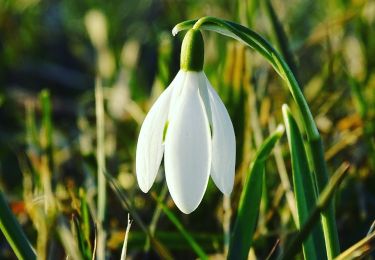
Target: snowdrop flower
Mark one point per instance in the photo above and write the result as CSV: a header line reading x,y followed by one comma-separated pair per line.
x,y
190,126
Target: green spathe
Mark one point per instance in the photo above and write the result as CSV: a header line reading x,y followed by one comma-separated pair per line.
x,y
192,51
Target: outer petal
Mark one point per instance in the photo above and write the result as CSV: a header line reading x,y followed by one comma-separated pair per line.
x,y
223,144
188,147
150,141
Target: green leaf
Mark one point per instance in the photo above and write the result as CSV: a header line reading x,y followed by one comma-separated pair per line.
x,y
304,189
13,232
248,209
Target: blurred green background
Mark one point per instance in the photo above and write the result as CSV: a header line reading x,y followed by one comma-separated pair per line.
x,y
55,52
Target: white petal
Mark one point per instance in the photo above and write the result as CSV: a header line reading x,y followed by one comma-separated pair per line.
x,y
177,90
203,91
223,144
188,148
150,141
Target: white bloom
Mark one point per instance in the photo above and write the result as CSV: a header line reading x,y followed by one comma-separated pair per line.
x,y
190,126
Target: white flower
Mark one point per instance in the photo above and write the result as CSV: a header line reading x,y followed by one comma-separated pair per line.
x,y
178,126
190,126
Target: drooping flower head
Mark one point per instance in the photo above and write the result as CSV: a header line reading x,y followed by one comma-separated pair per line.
x,y
190,126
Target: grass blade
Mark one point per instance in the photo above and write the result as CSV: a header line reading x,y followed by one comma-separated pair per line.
x,y
281,37
68,242
13,232
194,245
156,216
248,209
322,203
100,157
327,216
45,137
46,131
125,245
85,225
78,233
360,249
281,169
304,189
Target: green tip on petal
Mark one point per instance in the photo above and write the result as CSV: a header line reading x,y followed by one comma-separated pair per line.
x,y
192,51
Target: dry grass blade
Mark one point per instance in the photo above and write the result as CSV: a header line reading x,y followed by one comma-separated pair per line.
x,y
125,245
281,169
273,249
100,154
361,249
68,242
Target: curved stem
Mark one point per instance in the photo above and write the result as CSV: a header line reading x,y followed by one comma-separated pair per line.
x,y
261,45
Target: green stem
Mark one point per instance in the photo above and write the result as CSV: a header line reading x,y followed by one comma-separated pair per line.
x,y
257,42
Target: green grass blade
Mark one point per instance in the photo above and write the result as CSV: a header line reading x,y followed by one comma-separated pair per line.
x,y
327,216
304,189
156,216
31,129
85,219
78,232
13,232
45,138
46,131
322,203
248,209
172,217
